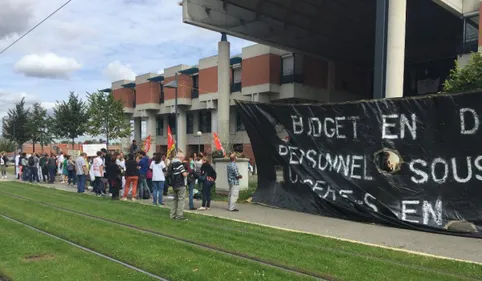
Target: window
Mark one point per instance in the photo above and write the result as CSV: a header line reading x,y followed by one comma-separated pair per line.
x,y
160,126
239,123
195,87
162,94
205,121
291,68
471,34
171,121
189,123
236,85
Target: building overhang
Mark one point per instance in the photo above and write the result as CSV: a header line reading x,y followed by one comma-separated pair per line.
x,y
235,60
339,30
190,71
157,79
107,90
131,85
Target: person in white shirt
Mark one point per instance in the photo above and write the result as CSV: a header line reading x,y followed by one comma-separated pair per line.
x,y
158,178
60,163
98,168
121,162
17,170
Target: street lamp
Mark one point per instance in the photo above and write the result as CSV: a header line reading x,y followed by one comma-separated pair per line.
x,y
199,134
173,85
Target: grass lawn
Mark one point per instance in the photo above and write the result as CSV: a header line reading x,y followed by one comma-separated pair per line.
x,y
28,255
318,255
164,257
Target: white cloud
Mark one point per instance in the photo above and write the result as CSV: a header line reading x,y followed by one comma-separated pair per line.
x,y
117,71
47,66
15,17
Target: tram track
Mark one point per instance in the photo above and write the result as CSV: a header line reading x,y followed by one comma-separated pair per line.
x,y
178,239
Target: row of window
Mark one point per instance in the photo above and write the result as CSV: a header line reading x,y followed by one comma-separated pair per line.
x,y
204,124
470,40
291,68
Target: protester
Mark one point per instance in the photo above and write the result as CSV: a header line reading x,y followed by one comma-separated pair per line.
x,y
143,167
65,171
33,162
17,166
3,165
190,182
208,177
52,167
113,173
158,178
60,164
167,183
132,177
233,182
70,167
43,167
134,148
24,166
98,167
149,174
121,162
178,175
81,171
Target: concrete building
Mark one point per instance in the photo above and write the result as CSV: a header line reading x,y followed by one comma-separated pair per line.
x,y
314,51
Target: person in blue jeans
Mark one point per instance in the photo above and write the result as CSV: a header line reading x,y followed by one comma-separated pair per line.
x,y
208,178
158,179
143,167
81,170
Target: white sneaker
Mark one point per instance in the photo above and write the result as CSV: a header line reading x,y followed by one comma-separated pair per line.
x,y
202,209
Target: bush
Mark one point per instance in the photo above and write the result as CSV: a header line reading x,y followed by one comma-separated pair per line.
x,y
465,79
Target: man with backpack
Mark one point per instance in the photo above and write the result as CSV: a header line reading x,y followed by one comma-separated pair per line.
x,y
178,178
43,167
33,170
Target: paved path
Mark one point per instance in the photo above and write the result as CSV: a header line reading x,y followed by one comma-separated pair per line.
x,y
468,249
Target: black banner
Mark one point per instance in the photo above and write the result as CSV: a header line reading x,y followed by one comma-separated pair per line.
x,y
413,163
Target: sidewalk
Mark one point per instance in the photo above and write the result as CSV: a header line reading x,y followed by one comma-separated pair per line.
x,y
468,249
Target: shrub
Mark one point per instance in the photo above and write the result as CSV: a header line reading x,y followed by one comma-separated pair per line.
x,y
465,79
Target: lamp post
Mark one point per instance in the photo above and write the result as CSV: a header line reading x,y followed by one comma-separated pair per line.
x,y
199,134
173,85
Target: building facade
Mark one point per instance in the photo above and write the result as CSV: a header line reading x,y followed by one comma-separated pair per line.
x,y
260,73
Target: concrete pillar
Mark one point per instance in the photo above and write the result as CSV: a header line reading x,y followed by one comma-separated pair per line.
x,y
151,131
181,123
137,130
214,127
397,15
223,89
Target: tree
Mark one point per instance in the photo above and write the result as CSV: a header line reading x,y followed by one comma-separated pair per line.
x,y
15,124
46,135
6,145
37,121
468,78
70,118
106,117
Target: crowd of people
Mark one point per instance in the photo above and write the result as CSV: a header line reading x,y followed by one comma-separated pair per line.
x,y
136,174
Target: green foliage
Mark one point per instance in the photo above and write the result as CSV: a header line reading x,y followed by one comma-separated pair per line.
x,y
6,145
464,79
106,117
36,126
70,118
15,123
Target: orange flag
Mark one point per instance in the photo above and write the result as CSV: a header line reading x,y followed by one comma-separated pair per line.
x,y
218,144
170,141
147,144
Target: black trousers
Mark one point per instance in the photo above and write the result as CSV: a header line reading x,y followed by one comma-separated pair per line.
x,y
45,173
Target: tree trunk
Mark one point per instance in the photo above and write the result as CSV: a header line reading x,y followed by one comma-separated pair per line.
x,y
73,143
33,142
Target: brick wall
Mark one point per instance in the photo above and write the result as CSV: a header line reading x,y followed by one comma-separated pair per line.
x,y
148,93
126,96
261,70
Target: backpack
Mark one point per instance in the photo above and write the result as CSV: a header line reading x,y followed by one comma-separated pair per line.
x,y
176,179
31,161
70,167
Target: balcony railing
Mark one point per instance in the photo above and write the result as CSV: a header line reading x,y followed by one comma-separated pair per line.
x,y
291,77
161,99
236,87
194,93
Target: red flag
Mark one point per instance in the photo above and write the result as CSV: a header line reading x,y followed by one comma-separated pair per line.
x,y
218,144
170,141
147,144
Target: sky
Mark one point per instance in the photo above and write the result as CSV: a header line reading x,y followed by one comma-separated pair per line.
x,y
89,44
